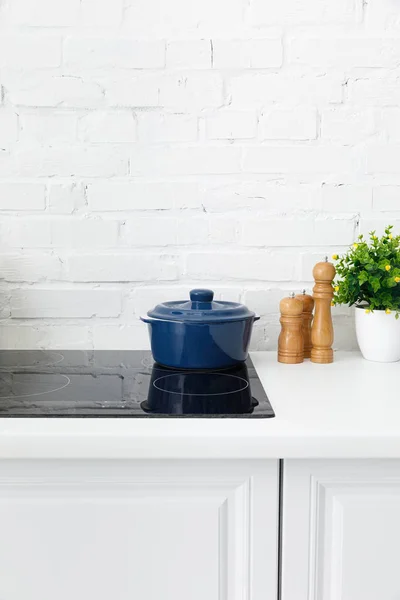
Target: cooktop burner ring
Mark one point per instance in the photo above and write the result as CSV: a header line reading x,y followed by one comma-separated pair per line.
x,y
42,393
245,384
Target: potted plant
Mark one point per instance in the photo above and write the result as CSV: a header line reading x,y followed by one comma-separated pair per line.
x,y
368,277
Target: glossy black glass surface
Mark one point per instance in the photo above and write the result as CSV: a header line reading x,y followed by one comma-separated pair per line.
x,y
123,384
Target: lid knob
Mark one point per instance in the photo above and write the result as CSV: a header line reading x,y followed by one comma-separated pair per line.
x,y
201,295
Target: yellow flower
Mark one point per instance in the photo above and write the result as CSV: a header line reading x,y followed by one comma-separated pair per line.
x,y
355,245
390,236
388,267
374,237
335,256
388,311
397,279
337,288
367,310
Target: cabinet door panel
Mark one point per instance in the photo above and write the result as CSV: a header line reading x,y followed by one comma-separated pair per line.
x,y
341,530
136,530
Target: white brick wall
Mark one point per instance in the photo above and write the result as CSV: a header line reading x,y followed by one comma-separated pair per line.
x,y
147,147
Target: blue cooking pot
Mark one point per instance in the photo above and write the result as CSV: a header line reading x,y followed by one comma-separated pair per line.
x,y
201,333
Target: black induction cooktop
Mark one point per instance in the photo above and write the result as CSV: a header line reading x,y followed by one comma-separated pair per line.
x,y
73,383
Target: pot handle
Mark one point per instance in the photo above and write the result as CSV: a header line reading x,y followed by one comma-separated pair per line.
x,y
256,318
149,320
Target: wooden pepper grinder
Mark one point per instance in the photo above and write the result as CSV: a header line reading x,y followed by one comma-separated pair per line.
x,y
291,342
308,307
322,327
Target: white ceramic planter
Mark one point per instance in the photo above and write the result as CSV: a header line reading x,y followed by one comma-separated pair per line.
x,y
378,335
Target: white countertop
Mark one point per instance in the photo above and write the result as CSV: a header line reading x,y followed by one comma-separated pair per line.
x,y
349,409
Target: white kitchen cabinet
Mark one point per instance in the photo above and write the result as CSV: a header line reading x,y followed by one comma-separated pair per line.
x,y
341,530
145,530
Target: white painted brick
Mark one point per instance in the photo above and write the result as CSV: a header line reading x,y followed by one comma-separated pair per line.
x,y
241,266
84,233
382,14
287,197
260,196
346,198
264,302
387,121
184,161
161,127
116,52
240,146
150,231
142,91
223,230
40,335
302,12
375,91
135,195
8,127
193,91
191,54
193,230
300,159
121,337
159,19
345,52
229,125
30,267
378,224
44,13
105,14
289,124
48,128
258,90
107,127
40,89
347,126
22,196
386,198
298,232
120,267
25,233
85,161
61,303
247,54
29,51
65,198
383,159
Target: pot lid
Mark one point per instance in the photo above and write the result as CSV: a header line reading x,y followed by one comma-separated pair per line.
x,y
200,308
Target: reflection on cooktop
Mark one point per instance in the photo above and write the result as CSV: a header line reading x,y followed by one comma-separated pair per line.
x,y
123,384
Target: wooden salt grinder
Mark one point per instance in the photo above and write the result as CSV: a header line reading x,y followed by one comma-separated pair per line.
x,y
291,343
322,327
308,307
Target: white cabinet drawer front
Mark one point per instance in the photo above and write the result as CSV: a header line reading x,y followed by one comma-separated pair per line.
x,y
341,530
145,531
